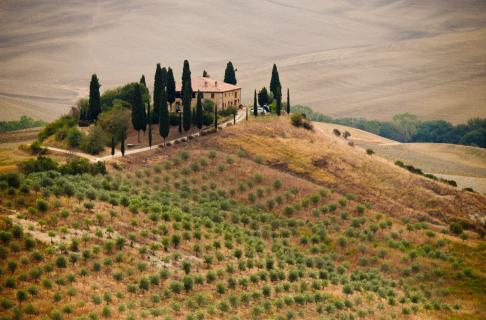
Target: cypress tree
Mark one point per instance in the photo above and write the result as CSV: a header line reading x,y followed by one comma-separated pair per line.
x,y
94,105
263,97
205,74
229,74
122,144
171,87
112,145
142,81
157,91
216,117
149,125
255,107
180,122
138,111
164,125
278,97
186,106
288,101
186,78
275,81
199,111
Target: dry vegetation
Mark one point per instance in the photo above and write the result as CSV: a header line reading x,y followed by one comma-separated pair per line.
x,y
262,221
463,164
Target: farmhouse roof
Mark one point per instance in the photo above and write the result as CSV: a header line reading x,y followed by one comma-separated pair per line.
x,y
208,85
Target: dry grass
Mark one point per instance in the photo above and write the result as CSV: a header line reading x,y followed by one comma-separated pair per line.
x,y
327,160
463,164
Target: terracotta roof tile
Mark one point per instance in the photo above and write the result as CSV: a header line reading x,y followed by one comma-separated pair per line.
x,y
208,85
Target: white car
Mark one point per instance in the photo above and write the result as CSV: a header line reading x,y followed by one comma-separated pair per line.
x,y
260,110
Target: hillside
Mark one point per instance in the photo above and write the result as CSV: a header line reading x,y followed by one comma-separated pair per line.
x,y
463,164
262,220
348,58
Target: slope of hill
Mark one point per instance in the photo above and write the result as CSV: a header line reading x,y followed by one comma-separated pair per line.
x,y
260,221
463,164
345,58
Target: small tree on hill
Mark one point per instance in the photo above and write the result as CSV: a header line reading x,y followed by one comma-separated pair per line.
x,y
171,87
164,125
186,106
94,105
229,74
263,97
139,120
199,111
205,74
142,81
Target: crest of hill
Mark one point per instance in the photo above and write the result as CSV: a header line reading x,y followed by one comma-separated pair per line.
x,y
322,158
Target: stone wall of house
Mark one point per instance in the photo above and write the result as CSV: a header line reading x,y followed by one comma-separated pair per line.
x,y
222,100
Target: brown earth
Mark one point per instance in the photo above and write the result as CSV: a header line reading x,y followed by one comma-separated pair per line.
x,y
343,58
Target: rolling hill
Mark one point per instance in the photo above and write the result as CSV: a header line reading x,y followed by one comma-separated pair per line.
x,y
463,164
347,58
262,220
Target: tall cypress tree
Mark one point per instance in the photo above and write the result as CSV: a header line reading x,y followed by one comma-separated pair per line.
x,y
94,105
216,117
278,97
122,143
255,107
171,87
288,101
142,81
138,111
229,74
186,78
157,91
149,117
275,81
180,122
113,145
186,107
164,125
199,111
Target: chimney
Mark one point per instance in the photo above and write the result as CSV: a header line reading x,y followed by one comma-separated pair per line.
x,y
205,84
215,83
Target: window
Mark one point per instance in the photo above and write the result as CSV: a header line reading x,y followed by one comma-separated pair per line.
x,y
236,94
212,95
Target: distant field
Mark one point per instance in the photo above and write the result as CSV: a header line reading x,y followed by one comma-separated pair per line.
x,y
342,58
466,165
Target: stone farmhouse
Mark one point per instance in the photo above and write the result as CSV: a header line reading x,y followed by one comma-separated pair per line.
x,y
222,94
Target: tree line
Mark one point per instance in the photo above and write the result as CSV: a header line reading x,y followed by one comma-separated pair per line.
x,y
407,127
24,122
